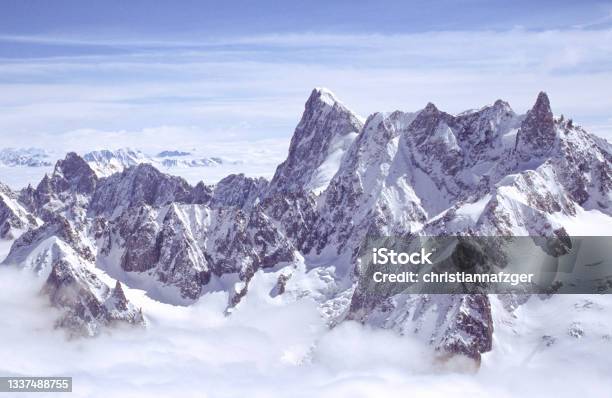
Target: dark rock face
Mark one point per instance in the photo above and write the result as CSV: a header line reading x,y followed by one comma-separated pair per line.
x,y
324,121
238,191
473,320
281,284
76,173
166,250
537,135
584,167
478,132
201,194
437,137
230,240
70,176
245,243
118,297
178,247
140,231
295,213
181,261
456,324
431,145
13,216
87,303
142,184
270,247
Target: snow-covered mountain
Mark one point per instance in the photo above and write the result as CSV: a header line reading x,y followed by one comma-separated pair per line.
x,y
29,157
106,162
324,134
482,172
14,218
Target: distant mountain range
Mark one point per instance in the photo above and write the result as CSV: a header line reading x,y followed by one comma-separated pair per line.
x,y
30,157
484,172
106,162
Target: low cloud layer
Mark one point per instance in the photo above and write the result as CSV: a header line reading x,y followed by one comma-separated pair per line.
x,y
268,349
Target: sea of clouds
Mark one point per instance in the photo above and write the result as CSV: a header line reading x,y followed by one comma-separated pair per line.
x,y
265,349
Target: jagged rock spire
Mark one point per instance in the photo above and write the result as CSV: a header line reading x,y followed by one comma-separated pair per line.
x,y
71,175
537,134
118,295
428,119
430,108
76,173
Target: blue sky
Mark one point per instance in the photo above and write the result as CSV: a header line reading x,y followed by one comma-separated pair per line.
x,y
162,19
80,74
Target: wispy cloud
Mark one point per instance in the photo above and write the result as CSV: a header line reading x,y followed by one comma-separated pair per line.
x,y
260,83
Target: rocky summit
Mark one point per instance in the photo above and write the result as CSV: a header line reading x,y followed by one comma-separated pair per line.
x,y
483,172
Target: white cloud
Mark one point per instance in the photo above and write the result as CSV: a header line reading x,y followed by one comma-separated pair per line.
x,y
261,82
270,348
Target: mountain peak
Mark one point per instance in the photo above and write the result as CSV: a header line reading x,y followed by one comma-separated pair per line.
x,y
72,166
70,163
323,94
325,131
537,134
430,108
321,98
542,102
501,104
137,185
428,119
118,291
119,300
72,172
